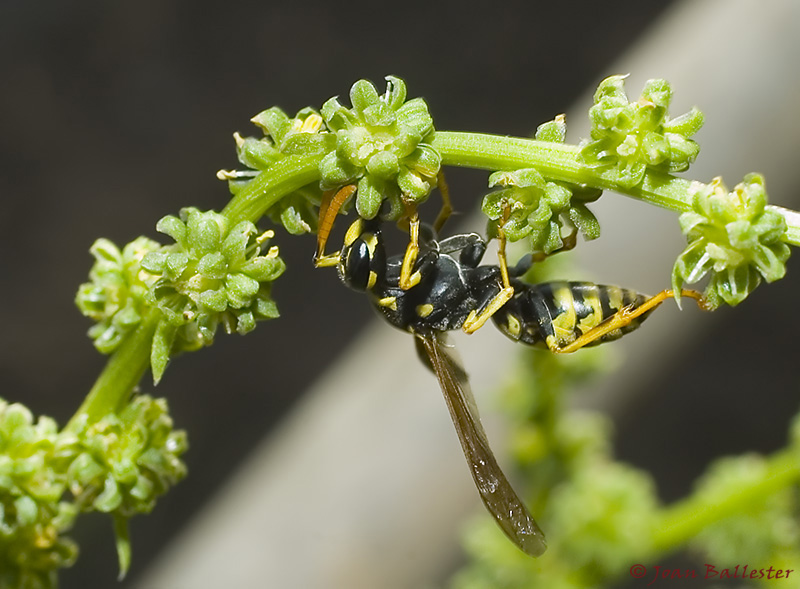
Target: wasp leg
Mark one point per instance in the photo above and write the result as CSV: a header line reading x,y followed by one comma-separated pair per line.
x,y
409,279
476,320
327,260
624,317
328,209
447,207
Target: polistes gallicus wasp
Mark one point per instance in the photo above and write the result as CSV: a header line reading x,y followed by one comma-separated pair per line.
x,y
438,285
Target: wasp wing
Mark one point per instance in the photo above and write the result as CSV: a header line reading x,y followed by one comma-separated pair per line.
x,y
500,499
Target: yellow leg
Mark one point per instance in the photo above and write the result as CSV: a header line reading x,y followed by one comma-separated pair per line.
x,y
476,320
407,278
327,260
447,207
624,317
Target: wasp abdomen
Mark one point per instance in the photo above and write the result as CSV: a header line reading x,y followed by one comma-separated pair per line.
x,y
555,314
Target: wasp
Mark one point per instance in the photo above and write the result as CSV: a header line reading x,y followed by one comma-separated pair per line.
x,y
443,288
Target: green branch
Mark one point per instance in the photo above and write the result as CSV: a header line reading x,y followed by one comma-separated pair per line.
x,y
560,162
683,521
266,189
121,375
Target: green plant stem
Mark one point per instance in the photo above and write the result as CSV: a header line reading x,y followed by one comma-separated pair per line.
x,y
560,162
266,189
122,373
684,520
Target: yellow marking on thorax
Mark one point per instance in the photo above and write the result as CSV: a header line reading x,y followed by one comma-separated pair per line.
x,y
424,310
390,302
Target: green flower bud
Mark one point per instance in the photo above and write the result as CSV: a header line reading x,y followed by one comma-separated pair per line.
x,y
554,131
380,145
117,296
734,236
528,205
214,275
632,137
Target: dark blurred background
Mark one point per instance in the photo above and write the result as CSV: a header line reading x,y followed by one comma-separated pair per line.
x,y
115,114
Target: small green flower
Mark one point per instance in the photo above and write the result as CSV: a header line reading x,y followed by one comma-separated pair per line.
x,y
213,275
735,236
381,144
125,462
631,137
128,459
117,296
528,205
33,518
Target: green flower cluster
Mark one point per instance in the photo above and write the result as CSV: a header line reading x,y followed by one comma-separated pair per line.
x,y
304,134
382,144
127,459
734,235
527,205
631,137
124,462
214,274
117,296
32,515
530,206
118,465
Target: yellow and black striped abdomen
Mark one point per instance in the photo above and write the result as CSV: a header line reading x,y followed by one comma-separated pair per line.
x,y
555,314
